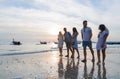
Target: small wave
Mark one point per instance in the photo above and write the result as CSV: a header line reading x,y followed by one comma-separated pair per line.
x,y
23,53
13,50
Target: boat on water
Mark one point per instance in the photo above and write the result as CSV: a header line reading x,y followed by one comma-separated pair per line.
x,y
16,42
43,42
55,42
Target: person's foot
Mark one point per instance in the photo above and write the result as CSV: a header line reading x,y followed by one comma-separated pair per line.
x,y
103,63
60,55
98,63
93,60
72,56
78,57
67,56
84,60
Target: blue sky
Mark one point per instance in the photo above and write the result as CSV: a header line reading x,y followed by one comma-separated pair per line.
x,y
43,19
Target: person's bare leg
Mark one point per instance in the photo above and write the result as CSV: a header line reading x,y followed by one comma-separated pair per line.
x,y
61,52
85,54
92,52
98,55
67,52
78,53
73,51
103,56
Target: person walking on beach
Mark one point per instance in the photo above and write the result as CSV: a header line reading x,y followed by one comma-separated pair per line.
x,y
60,43
101,43
86,33
75,43
67,39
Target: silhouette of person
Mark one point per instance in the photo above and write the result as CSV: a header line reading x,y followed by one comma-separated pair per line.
x,y
75,44
67,40
60,43
86,34
71,69
101,43
60,68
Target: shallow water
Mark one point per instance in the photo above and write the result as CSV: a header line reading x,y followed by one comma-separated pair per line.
x,y
27,62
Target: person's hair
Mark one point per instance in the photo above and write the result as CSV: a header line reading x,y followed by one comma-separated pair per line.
x,y
60,33
102,27
74,29
64,28
84,21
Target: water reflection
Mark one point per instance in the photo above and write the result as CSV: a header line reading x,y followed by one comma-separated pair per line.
x,y
103,76
60,68
85,74
71,71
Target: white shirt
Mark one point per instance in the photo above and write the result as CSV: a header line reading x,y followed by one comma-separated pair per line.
x,y
100,40
86,33
67,37
60,41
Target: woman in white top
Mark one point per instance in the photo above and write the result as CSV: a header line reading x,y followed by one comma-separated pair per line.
x,y
75,43
101,43
60,42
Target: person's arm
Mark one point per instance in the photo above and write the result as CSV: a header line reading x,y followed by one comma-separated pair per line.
x,y
90,32
82,35
70,36
62,39
75,35
104,39
58,37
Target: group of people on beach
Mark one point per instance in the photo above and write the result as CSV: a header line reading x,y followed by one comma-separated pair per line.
x,y
86,35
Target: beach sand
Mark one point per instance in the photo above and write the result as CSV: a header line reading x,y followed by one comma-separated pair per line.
x,y
49,65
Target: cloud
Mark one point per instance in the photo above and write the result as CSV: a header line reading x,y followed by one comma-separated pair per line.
x,y
38,16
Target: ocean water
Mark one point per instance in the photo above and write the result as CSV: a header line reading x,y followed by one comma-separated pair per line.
x,y
28,48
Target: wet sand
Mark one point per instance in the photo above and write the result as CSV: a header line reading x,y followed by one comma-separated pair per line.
x,y
49,65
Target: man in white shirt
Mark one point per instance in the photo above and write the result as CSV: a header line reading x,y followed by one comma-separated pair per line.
x,y
86,33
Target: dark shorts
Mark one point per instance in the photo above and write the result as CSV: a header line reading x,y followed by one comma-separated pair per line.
x,y
68,44
86,43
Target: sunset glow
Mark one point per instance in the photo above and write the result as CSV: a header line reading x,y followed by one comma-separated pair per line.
x,y
54,31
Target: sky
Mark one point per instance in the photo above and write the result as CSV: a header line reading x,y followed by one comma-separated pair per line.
x,y
43,19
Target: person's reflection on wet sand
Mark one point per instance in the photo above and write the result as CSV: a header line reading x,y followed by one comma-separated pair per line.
x,y
99,72
60,68
103,76
104,72
71,69
85,75
92,71
90,75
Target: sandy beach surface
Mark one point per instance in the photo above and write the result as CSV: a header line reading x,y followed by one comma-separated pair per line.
x,y
49,65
